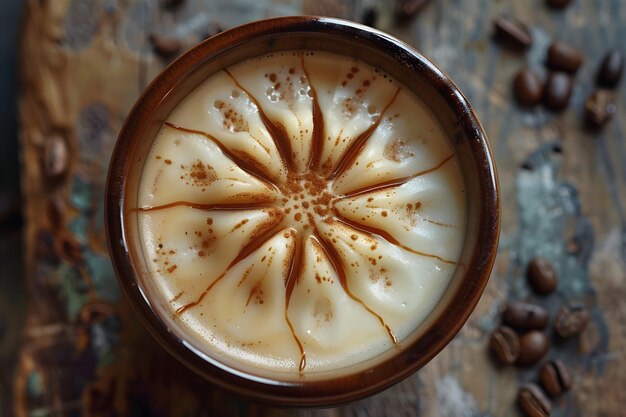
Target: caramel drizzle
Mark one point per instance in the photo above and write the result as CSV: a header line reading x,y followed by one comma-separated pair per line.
x,y
253,291
357,145
317,139
277,131
246,251
296,267
208,207
295,272
372,232
254,170
336,261
394,182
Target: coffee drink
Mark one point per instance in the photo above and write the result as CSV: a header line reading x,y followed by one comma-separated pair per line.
x,y
301,212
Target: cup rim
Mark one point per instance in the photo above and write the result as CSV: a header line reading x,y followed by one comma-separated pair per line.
x,y
347,387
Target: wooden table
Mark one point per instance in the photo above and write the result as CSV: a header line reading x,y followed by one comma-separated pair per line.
x,y
563,191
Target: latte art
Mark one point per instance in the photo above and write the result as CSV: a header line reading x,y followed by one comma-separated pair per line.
x,y
301,212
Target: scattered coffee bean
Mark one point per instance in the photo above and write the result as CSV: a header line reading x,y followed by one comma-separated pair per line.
x,y
513,33
541,276
527,87
213,29
172,4
533,347
527,166
571,320
533,401
558,4
564,57
522,315
611,69
504,344
600,108
555,378
165,47
409,9
557,91
55,156
370,17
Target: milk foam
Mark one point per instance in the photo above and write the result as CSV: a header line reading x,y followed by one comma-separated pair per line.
x,y
300,243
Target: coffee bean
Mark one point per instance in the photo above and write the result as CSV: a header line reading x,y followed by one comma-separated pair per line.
x,y
541,276
370,17
212,29
611,69
171,4
409,9
600,108
533,347
165,47
555,378
533,401
512,33
564,57
571,320
525,316
557,91
527,87
504,344
558,4
55,157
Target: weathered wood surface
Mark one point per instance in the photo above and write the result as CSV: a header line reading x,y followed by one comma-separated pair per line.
x,y
11,263
84,62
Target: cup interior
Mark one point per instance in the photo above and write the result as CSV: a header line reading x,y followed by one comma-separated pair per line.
x,y
379,50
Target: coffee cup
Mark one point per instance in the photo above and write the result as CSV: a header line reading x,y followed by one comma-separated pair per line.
x,y
303,210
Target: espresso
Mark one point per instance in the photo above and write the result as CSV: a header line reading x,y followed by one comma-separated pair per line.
x,y
301,212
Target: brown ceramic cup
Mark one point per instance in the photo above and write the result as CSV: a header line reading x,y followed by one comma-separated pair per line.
x,y
411,69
